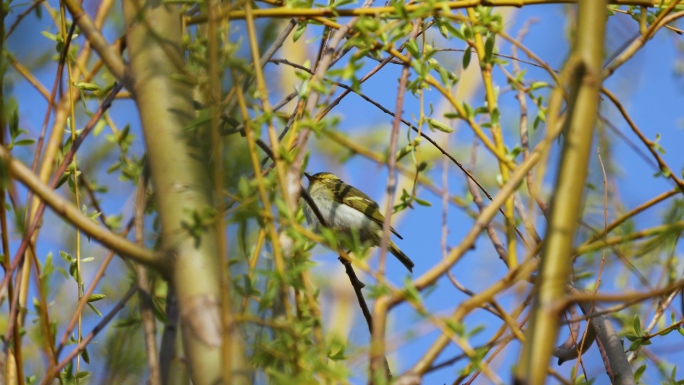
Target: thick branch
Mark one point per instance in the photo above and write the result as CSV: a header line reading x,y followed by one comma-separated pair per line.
x,y
178,161
565,209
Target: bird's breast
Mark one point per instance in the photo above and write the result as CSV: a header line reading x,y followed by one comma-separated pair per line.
x,y
341,218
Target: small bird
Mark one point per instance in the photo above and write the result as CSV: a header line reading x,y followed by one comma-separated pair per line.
x,y
347,209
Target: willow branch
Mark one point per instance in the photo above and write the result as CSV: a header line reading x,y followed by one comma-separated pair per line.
x,y
557,252
73,215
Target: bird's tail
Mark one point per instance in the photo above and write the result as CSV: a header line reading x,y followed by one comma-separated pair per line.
x,y
406,261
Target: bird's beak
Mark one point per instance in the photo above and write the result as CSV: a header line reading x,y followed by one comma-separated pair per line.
x,y
309,177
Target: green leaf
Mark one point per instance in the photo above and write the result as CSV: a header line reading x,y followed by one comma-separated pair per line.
x,y
114,221
466,57
113,167
456,327
443,29
437,125
94,309
404,151
99,126
87,361
410,290
541,114
639,372
422,202
538,85
66,256
477,330
48,267
375,291
299,31
96,297
338,355
86,358
514,152
412,47
87,86
51,36
24,142
489,48
14,121
94,215
636,323
73,271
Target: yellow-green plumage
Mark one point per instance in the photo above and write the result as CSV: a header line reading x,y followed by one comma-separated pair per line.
x,y
348,209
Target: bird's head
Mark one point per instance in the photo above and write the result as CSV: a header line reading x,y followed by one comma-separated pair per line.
x,y
324,180
322,177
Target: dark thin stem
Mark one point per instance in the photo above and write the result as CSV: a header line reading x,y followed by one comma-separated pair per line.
x,y
21,17
168,354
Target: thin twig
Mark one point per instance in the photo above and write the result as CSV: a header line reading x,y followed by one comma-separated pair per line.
x,y
91,289
650,144
21,17
168,354
144,290
86,340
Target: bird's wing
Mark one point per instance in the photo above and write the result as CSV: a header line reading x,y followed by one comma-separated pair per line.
x,y
355,198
